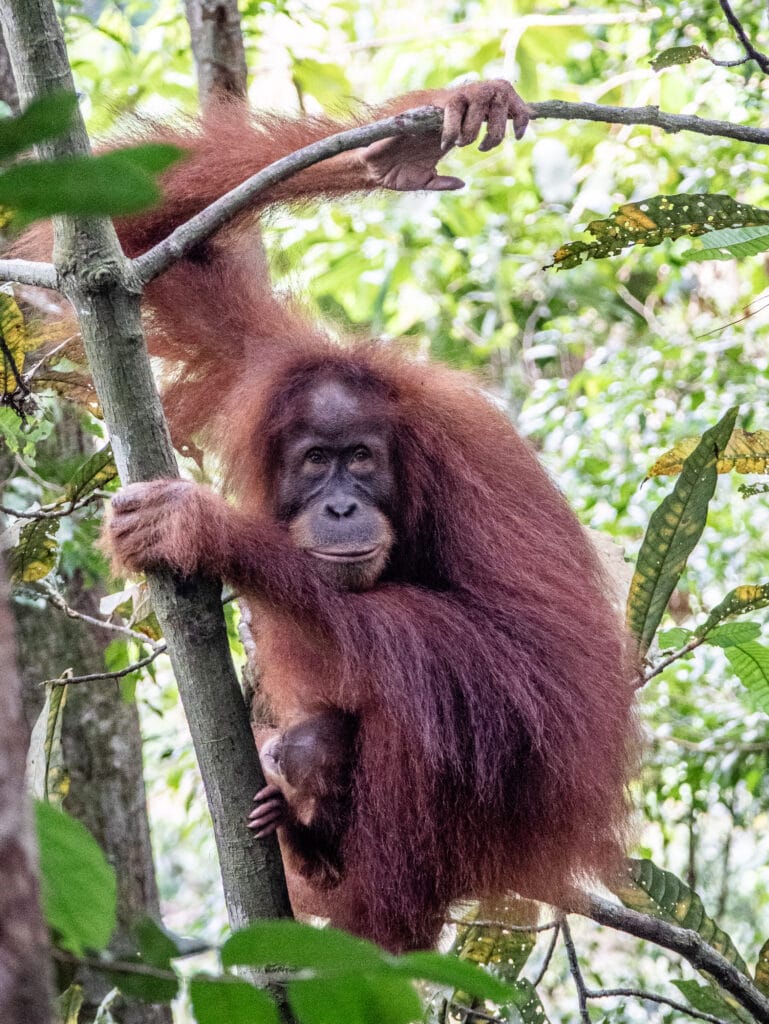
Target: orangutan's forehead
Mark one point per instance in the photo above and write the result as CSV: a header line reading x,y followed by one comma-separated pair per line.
x,y
333,410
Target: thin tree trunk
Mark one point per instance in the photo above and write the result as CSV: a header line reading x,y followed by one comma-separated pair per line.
x,y
217,45
25,981
98,281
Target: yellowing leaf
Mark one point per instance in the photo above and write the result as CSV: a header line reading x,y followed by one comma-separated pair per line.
x,y
746,452
14,337
35,554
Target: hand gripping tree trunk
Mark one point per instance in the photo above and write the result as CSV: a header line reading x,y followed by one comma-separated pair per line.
x,y
97,279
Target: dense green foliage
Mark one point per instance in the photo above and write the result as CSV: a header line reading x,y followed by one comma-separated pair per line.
x,y
603,366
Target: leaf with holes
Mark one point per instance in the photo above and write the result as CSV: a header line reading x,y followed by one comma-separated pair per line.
x,y
677,55
751,663
746,452
652,890
746,598
37,551
673,531
659,219
707,999
506,950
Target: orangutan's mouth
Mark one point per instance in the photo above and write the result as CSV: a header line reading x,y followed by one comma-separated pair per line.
x,y
345,554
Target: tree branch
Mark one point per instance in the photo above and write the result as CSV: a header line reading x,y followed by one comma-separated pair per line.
x,y
215,216
761,59
39,275
652,116
575,972
652,997
687,943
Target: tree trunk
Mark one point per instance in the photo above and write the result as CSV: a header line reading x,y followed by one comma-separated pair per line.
x,y
24,960
217,45
98,280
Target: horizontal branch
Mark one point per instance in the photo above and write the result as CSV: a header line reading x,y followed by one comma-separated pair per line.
x,y
686,943
215,216
39,275
652,116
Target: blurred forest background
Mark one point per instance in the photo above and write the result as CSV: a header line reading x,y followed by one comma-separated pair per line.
x,y
603,367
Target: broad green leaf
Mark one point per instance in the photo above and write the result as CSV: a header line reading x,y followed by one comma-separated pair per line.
x,y
45,118
712,999
14,335
294,945
157,949
676,55
78,885
355,999
454,973
650,222
68,1005
751,663
229,1000
652,890
327,82
746,598
673,531
730,244
528,1003
494,945
733,633
93,475
112,184
673,638
36,553
746,452
762,969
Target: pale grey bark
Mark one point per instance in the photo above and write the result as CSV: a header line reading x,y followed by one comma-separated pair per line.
x,y
217,45
105,293
25,979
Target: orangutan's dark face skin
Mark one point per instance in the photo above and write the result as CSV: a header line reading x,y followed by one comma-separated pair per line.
x,y
336,486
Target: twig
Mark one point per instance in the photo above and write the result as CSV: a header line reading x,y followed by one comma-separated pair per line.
x,y
205,223
53,597
652,997
761,59
689,646
687,943
548,955
472,1011
576,973
118,674
39,275
55,511
652,116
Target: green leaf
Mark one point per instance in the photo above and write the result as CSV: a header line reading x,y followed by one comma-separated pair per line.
x,y
36,553
454,973
78,885
652,890
673,638
68,1005
228,1000
673,531
650,222
506,949
45,118
733,633
93,475
677,55
355,999
327,82
709,999
47,773
730,243
762,969
294,945
751,663
528,1003
746,598
111,184
156,949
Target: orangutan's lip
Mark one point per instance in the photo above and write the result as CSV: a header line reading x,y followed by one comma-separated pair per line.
x,y
330,555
